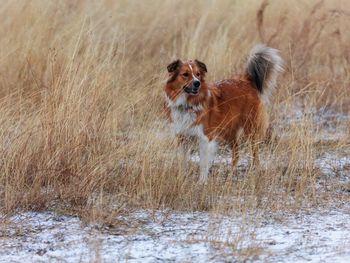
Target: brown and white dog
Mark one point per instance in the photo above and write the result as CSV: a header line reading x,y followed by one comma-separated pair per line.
x,y
222,111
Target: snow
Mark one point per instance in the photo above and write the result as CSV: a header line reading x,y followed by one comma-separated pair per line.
x,y
177,236
314,237
332,164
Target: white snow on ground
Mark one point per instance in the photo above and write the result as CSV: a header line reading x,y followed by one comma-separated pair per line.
x,y
334,165
177,237
143,236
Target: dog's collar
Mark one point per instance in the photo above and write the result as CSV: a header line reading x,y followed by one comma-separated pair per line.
x,y
183,107
188,108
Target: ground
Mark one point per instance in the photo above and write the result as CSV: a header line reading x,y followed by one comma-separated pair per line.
x,y
307,236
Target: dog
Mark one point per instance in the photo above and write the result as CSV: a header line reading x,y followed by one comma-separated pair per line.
x,y
225,110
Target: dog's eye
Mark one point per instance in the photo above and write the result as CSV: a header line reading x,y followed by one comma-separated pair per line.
x,y
185,75
198,74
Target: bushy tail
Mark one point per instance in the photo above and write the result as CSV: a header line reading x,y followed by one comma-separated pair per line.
x,y
264,64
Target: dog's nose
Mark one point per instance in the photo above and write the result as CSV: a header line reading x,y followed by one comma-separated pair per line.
x,y
196,83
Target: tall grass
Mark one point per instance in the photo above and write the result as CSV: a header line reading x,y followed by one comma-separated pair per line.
x,y
81,104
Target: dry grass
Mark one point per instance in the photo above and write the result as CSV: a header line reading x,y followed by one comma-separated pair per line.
x,y
81,101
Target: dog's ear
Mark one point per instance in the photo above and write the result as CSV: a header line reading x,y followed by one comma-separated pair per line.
x,y
173,66
201,65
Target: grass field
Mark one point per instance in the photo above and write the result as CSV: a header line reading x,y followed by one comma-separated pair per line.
x,y
81,105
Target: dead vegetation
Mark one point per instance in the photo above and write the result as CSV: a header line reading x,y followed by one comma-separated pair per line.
x,y
81,102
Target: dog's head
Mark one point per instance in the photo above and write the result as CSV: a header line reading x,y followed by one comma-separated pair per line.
x,y
187,76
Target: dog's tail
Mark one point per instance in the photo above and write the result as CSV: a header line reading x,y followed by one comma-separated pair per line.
x,y
264,64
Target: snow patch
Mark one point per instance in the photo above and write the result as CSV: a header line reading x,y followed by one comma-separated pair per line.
x,y
175,236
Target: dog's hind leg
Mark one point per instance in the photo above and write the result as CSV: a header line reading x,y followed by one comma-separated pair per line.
x,y
255,153
261,124
235,153
207,151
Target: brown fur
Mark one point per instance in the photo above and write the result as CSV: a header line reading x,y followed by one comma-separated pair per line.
x,y
230,107
234,104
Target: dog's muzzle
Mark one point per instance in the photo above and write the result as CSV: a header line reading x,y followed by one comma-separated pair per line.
x,y
194,88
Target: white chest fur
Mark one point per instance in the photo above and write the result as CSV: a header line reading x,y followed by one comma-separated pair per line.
x,y
183,123
183,120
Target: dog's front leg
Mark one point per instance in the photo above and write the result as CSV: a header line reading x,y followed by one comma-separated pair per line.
x,y
207,151
184,148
